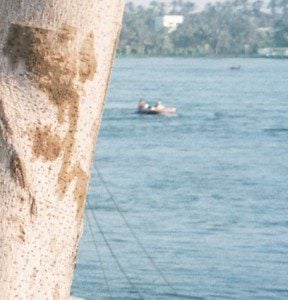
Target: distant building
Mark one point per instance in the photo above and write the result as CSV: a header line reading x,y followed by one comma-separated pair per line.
x,y
265,29
273,52
171,22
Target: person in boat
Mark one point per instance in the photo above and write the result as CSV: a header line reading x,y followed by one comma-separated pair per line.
x,y
142,104
159,106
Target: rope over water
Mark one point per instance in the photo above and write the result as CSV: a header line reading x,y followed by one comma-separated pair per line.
x,y
133,233
98,255
112,252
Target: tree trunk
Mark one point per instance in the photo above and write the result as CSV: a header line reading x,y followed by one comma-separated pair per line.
x,y
56,58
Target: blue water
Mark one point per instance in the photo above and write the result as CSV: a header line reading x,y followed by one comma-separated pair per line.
x,y
205,191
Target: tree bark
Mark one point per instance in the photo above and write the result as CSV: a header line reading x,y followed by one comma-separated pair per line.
x,y
56,58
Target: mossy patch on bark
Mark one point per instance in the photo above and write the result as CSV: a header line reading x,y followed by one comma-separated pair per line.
x,y
17,169
46,144
59,68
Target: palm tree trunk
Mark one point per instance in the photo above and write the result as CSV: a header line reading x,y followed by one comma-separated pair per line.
x,y
55,63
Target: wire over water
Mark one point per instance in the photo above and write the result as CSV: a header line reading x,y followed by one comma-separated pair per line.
x,y
112,252
98,255
134,234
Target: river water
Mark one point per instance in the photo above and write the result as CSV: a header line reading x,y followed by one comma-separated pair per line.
x,y
205,191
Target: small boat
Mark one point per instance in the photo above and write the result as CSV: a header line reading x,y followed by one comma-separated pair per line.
x,y
153,111
235,67
157,109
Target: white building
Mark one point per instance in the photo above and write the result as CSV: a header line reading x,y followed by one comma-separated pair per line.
x,y
171,22
273,52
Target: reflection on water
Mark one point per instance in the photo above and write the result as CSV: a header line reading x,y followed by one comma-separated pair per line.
x,y
205,191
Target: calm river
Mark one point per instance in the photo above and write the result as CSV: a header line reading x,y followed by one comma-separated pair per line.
x,y
205,191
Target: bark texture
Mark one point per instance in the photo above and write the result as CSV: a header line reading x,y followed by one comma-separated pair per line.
x,y
56,58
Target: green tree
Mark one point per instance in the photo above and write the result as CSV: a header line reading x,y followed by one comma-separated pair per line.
x,y
284,4
281,32
226,28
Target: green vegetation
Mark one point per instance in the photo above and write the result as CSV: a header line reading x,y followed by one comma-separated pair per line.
x,y
232,28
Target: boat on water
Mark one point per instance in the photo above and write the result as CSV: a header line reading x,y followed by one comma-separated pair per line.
x,y
237,68
157,109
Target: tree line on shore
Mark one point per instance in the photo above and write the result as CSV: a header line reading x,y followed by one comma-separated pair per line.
x,y
230,28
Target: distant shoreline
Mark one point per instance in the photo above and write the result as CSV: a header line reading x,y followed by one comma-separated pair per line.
x,y
208,56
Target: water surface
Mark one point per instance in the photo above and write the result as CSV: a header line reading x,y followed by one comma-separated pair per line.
x,y
205,191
